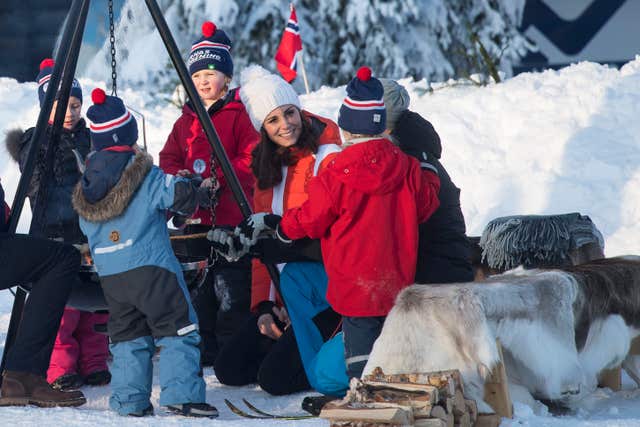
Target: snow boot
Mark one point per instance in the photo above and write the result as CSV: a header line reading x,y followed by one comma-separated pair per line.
x,y
314,404
67,382
146,412
98,378
198,410
25,388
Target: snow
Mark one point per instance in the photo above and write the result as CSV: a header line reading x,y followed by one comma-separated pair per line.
x,y
539,143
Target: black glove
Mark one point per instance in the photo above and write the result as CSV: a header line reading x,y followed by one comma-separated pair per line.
x,y
225,243
251,227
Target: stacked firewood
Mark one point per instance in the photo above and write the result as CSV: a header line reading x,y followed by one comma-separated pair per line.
x,y
433,399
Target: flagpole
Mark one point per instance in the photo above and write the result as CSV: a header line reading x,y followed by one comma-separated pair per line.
x,y
304,73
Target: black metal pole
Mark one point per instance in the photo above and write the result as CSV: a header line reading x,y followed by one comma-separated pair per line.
x,y
205,120
73,30
39,207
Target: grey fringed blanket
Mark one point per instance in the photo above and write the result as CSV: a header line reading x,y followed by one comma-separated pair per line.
x,y
536,240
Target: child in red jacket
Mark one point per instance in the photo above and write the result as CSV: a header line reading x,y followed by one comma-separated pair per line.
x,y
365,208
188,152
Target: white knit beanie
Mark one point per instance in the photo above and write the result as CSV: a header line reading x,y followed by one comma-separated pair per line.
x,y
262,92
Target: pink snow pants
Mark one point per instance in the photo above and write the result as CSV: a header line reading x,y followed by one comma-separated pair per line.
x,y
78,348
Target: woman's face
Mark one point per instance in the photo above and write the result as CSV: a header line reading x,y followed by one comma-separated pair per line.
x,y
284,125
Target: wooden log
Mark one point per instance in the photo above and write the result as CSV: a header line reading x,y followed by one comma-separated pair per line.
x,y
459,405
447,381
472,409
430,422
611,378
496,388
635,346
389,415
463,421
488,420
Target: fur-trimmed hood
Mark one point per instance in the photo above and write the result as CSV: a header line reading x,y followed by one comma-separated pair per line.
x,y
117,198
13,141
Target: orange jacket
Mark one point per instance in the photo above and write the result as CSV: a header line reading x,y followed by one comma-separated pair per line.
x,y
294,194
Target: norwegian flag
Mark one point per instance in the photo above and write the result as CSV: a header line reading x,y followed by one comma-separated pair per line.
x,y
289,46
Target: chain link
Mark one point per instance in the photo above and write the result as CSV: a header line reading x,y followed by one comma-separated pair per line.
x,y
112,40
214,201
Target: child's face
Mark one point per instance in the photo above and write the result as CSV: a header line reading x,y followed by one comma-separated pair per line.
x,y
73,114
210,84
284,125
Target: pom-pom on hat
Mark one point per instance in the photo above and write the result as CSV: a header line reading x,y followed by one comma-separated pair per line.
x,y
362,111
212,51
111,122
262,92
46,68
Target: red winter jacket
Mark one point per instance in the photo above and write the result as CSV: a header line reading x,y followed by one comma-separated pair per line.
x,y
187,146
365,207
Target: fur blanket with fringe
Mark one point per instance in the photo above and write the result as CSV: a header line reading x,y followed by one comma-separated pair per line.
x,y
558,328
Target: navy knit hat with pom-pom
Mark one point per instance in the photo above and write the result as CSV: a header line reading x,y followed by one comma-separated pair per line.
x,y
212,51
362,111
111,122
46,68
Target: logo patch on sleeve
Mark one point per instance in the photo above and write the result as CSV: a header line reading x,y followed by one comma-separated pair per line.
x,y
114,236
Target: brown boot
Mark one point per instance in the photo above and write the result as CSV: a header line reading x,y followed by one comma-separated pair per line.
x,y
24,388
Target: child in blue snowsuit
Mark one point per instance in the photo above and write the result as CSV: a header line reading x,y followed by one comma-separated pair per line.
x,y
122,200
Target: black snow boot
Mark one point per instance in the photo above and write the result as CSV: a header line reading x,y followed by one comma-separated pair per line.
x,y
198,410
314,404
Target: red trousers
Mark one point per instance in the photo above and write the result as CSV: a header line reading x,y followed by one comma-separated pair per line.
x,y
78,348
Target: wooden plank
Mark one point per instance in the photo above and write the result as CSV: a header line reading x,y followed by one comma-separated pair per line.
x,y
389,415
611,378
496,388
472,409
430,422
488,420
635,346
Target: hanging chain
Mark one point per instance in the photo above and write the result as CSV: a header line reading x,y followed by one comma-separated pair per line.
x,y
214,200
112,40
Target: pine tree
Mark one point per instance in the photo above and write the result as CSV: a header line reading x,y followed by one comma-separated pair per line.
x,y
433,39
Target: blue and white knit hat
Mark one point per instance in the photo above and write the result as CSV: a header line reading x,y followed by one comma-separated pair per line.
x,y
212,51
111,122
362,111
46,68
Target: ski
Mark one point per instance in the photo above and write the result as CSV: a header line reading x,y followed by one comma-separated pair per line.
x,y
262,415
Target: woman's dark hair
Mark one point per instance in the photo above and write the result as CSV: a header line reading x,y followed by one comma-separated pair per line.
x,y
268,158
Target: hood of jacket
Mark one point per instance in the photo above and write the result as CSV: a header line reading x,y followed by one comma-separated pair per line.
x,y
15,138
416,134
373,167
119,186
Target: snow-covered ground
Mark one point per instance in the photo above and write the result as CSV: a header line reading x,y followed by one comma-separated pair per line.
x,y
539,143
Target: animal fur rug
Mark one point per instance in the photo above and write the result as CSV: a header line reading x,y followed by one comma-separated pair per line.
x,y
558,328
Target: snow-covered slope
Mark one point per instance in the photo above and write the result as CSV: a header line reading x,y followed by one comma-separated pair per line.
x,y
552,142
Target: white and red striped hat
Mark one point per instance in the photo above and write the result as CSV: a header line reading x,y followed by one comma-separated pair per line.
x,y
212,51
362,111
111,123
46,68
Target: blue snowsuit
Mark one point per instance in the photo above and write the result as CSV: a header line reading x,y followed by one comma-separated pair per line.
x,y
122,201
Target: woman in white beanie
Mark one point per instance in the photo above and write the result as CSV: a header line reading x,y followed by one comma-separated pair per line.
x,y
294,146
